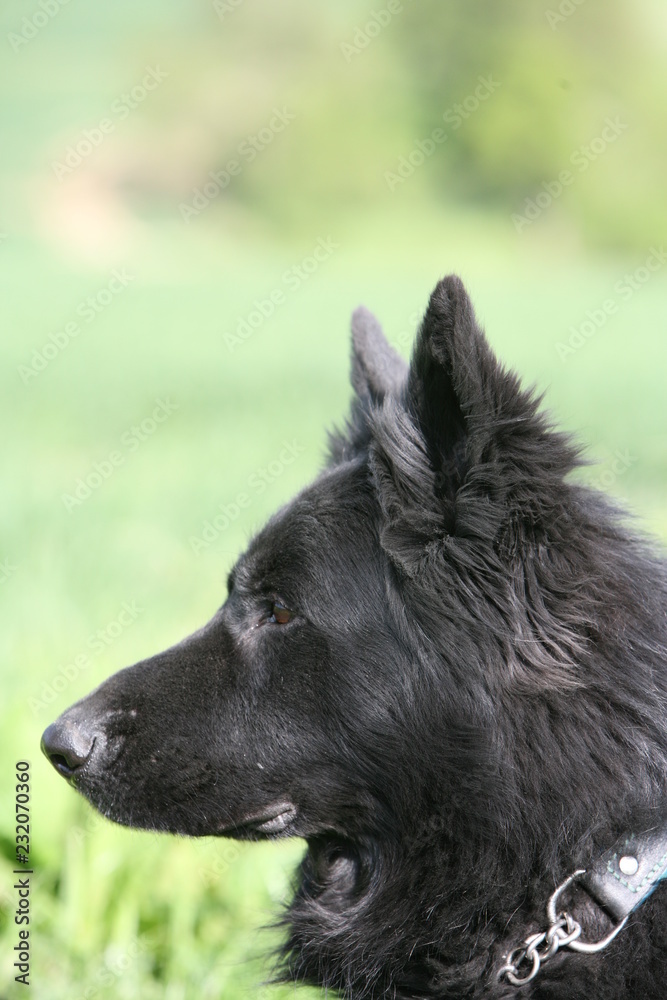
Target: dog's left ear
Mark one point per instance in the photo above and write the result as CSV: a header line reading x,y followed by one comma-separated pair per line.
x,y
377,369
378,373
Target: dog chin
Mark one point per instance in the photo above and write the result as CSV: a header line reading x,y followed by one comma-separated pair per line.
x,y
270,822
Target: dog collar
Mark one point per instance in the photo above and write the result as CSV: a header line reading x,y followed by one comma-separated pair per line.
x,y
620,881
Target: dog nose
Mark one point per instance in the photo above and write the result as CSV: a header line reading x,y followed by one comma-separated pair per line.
x,y
68,746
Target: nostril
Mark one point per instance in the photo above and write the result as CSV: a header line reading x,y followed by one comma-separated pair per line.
x,y
68,746
60,762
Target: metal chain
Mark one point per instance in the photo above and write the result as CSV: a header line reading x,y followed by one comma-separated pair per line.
x,y
531,953
563,932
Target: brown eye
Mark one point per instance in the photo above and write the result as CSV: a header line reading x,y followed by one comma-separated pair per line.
x,y
280,614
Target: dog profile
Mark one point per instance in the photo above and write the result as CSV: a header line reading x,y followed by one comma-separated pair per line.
x,y
444,665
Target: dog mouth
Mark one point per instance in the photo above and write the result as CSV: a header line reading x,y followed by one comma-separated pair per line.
x,y
274,821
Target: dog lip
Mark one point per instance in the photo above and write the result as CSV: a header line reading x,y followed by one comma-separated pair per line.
x,y
278,822
274,820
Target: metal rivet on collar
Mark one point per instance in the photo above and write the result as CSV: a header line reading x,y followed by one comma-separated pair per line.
x,y
628,865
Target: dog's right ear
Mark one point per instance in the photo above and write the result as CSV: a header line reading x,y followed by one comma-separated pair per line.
x,y
464,450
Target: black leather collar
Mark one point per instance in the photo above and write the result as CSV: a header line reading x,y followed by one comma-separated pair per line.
x,y
627,874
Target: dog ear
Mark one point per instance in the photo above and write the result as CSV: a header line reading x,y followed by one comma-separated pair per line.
x,y
464,451
450,362
378,372
452,388
377,369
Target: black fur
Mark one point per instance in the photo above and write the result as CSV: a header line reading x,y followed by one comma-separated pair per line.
x,y
467,704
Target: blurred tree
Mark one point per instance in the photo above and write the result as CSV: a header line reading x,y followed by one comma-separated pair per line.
x,y
560,69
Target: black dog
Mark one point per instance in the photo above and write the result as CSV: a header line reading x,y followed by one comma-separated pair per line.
x,y
445,666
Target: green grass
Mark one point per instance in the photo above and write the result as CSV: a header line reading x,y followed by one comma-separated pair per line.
x,y
124,914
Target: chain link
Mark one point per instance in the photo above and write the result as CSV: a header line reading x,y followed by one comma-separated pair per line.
x,y
532,954
563,932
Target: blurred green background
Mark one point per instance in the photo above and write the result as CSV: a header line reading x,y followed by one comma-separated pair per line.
x,y
194,196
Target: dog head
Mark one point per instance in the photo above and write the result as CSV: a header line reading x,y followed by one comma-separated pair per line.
x,y
400,644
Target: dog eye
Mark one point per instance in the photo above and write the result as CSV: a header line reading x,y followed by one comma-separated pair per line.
x,y
280,615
